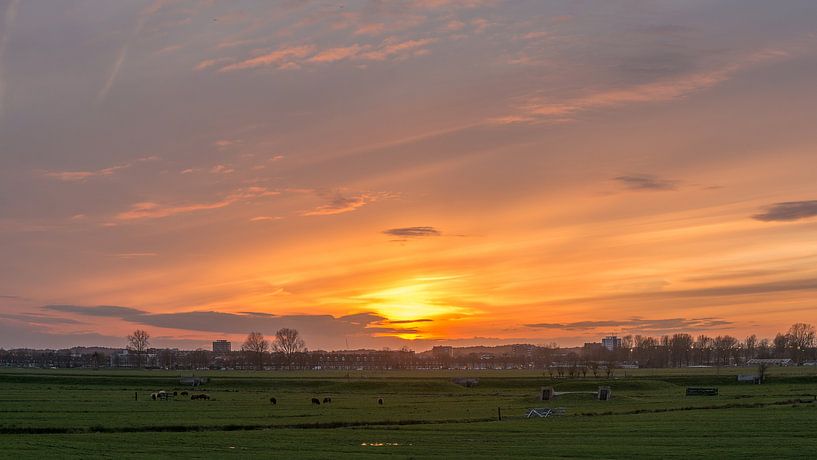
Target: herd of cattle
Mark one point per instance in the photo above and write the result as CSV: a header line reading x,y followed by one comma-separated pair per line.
x,y
165,395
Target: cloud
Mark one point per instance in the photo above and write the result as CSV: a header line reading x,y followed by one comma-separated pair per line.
x,y
221,169
788,211
376,28
409,321
336,54
366,323
537,110
134,255
646,182
341,203
293,57
33,318
105,311
151,210
734,290
412,232
9,15
640,324
278,56
123,51
81,176
265,218
391,47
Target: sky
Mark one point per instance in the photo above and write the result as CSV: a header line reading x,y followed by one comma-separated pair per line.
x,y
387,174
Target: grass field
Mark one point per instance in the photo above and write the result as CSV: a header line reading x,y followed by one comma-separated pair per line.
x,y
86,413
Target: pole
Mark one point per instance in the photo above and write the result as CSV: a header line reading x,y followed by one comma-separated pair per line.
x,y
499,413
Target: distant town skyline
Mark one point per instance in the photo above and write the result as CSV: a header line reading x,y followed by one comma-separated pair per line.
x,y
420,173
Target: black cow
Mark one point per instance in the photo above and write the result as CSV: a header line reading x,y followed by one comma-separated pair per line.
x,y
184,393
316,401
273,401
327,400
380,401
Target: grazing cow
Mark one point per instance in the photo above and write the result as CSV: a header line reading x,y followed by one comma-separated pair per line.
x,y
327,400
184,393
316,401
273,401
153,396
380,401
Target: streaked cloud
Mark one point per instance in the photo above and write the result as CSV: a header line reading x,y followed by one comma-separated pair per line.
x,y
646,182
539,109
640,325
366,323
152,9
9,13
413,232
341,203
277,57
788,211
153,210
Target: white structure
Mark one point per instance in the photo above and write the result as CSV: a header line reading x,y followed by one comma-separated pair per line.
x,y
611,342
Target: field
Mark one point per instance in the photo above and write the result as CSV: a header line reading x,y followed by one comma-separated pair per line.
x,y
87,413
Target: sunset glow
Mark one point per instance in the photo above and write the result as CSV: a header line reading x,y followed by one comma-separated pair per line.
x,y
389,174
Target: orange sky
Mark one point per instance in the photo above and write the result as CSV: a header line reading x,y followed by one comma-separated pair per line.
x,y
405,174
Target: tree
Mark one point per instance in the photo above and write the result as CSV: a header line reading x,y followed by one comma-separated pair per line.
x,y
138,343
257,345
288,341
800,339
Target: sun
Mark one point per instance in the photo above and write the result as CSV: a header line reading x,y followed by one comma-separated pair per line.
x,y
408,302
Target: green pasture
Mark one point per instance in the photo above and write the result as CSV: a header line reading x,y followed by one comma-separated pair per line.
x,y
87,413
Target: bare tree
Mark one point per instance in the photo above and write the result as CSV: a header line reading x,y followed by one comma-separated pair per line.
x,y
801,338
288,341
138,343
256,344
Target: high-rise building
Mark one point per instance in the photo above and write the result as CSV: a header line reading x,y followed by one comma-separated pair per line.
x,y
221,346
611,342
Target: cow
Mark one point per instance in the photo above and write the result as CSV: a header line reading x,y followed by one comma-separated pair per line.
x,y
380,401
316,401
175,393
153,396
327,400
273,401
184,393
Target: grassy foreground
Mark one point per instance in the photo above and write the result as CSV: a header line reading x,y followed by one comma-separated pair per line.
x,y
82,414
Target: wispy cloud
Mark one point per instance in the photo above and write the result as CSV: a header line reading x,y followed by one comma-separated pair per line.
x,y
265,218
221,169
412,232
637,324
9,15
242,322
123,51
152,210
788,211
341,203
292,57
80,176
646,182
276,57
537,110
336,54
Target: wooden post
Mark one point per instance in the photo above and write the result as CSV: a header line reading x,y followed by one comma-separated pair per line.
x,y
499,413
136,396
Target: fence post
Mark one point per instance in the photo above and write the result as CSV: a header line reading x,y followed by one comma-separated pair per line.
x,y
499,413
